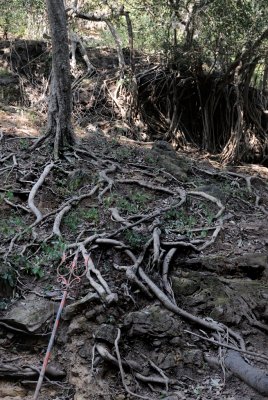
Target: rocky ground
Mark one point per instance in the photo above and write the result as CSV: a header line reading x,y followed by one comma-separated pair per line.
x,y
171,263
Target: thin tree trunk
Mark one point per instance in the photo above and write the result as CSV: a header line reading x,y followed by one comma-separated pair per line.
x,y
60,101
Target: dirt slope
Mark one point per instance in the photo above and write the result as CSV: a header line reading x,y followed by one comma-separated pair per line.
x,y
176,254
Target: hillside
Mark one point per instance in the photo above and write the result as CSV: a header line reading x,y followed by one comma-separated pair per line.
x,y
167,252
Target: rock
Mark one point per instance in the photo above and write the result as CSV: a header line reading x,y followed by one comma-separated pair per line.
x,y
184,286
193,357
78,325
85,351
30,314
153,321
11,392
106,333
176,341
166,361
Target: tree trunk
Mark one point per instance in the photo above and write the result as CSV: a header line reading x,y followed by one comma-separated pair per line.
x,y
60,101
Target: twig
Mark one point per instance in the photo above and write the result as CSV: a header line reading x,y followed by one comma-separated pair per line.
x,y
227,346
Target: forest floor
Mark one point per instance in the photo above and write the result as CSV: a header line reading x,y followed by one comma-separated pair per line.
x,y
157,229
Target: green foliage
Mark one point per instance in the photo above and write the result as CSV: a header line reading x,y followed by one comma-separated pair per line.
x,y
123,153
4,72
11,225
24,144
181,219
131,204
75,217
34,268
10,277
18,17
48,255
134,239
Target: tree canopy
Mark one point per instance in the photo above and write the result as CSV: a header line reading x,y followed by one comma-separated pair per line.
x,y
213,42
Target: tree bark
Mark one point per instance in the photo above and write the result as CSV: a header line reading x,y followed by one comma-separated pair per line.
x,y
60,102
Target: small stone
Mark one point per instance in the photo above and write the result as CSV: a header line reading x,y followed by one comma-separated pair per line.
x,y
10,335
91,314
168,361
176,341
77,325
194,357
106,333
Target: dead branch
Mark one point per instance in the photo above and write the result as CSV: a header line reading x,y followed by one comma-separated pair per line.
x,y
16,205
117,217
213,237
101,287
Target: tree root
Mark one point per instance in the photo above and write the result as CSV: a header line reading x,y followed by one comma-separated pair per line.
x,y
34,190
253,376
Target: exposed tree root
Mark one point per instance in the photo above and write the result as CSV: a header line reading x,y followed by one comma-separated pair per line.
x,y
253,376
34,190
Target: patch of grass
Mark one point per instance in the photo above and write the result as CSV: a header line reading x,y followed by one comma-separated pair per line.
x,y
91,214
9,195
149,159
24,144
49,254
134,203
134,239
75,184
109,201
35,269
125,205
74,218
180,219
207,213
233,190
4,72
